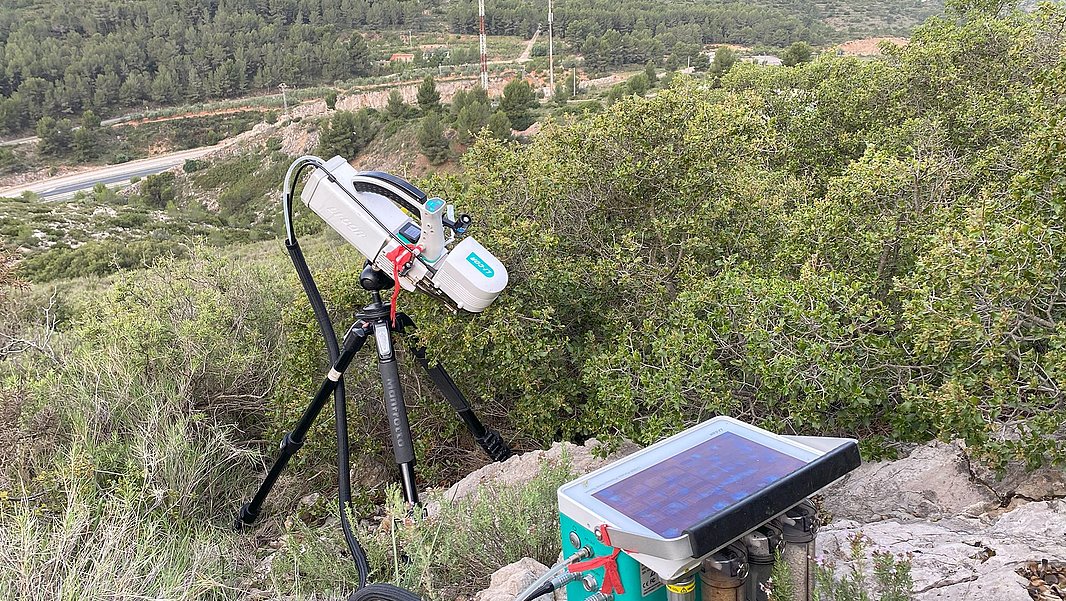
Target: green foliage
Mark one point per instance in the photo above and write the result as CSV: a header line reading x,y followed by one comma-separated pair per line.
x,y
517,101
84,145
724,59
331,100
10,161
451,554
97,258
395,109
156,433
651,74
90,120
891,576
500,126
464,98
158,191
613,33
428,97
796,53
835,247
638,84
64,57
55,136
471,119
431,140
347,134
780,586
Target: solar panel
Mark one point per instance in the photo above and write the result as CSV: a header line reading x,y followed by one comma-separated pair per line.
x,y
699,490
690,487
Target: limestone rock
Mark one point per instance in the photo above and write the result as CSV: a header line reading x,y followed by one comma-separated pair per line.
x,y
1039,485
962,558
524,467
506,582
933,482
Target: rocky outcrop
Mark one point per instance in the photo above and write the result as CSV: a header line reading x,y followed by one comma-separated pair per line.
x,y
522,468
933,482
969,534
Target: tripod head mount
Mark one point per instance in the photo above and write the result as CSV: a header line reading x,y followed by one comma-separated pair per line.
x,y
402,232
374,280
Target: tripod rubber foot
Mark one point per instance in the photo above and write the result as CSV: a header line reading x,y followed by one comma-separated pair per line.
x,y
245,517
494,445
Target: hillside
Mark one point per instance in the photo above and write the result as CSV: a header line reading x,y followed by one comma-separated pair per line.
x,y
871,248
61,58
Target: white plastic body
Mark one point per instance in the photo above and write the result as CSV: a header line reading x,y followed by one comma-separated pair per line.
x,y
471,276
432,238
344,215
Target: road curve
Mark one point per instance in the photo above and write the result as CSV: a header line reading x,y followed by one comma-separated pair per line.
x,y
64,186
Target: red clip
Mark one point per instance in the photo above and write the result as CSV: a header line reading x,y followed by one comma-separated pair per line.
x,y
612,582
401,257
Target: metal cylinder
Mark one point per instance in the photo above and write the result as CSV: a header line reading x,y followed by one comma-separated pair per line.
x,y
682,589
723,574
763,545
799,527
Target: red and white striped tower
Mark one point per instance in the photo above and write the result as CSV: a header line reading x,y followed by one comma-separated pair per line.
x,y
481,42
551,52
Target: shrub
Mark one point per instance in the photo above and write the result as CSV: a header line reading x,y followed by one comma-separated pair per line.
x,y
453,553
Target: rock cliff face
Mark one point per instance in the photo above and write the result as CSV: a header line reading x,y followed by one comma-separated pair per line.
x,y
969,534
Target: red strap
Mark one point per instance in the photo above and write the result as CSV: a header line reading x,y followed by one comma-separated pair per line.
x,y
611,580
399,256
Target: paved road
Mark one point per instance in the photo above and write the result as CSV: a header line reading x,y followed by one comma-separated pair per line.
x,y
65,186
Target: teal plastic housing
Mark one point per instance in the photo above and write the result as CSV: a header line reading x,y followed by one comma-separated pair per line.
x,y
629,570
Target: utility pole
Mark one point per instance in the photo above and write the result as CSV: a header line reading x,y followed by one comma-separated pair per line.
x,y
575,82
481,43
551,52
284,97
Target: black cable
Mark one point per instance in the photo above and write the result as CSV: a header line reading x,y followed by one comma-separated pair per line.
x,y
544,589
383,592
340,413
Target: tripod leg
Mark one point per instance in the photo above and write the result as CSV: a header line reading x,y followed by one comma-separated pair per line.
x,y
489,440
293,441
395,409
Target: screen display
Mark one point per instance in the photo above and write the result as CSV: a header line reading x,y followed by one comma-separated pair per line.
x,y
698,483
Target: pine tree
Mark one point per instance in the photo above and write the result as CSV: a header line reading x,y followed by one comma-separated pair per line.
x,y
431,139
396,109
472,119
649,71
428,97
55,136
358,56
798,52
500,126
84,145
517,101
724,59
347,134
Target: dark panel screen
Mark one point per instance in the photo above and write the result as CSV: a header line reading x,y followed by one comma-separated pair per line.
x,y
686,489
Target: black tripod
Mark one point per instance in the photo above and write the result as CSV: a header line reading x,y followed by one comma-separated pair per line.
x,y
374,320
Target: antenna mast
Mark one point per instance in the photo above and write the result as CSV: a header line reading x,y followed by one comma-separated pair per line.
x,y
551,52
481,42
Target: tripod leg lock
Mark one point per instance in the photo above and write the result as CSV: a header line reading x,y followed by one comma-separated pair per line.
x,y
289,445
494,445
